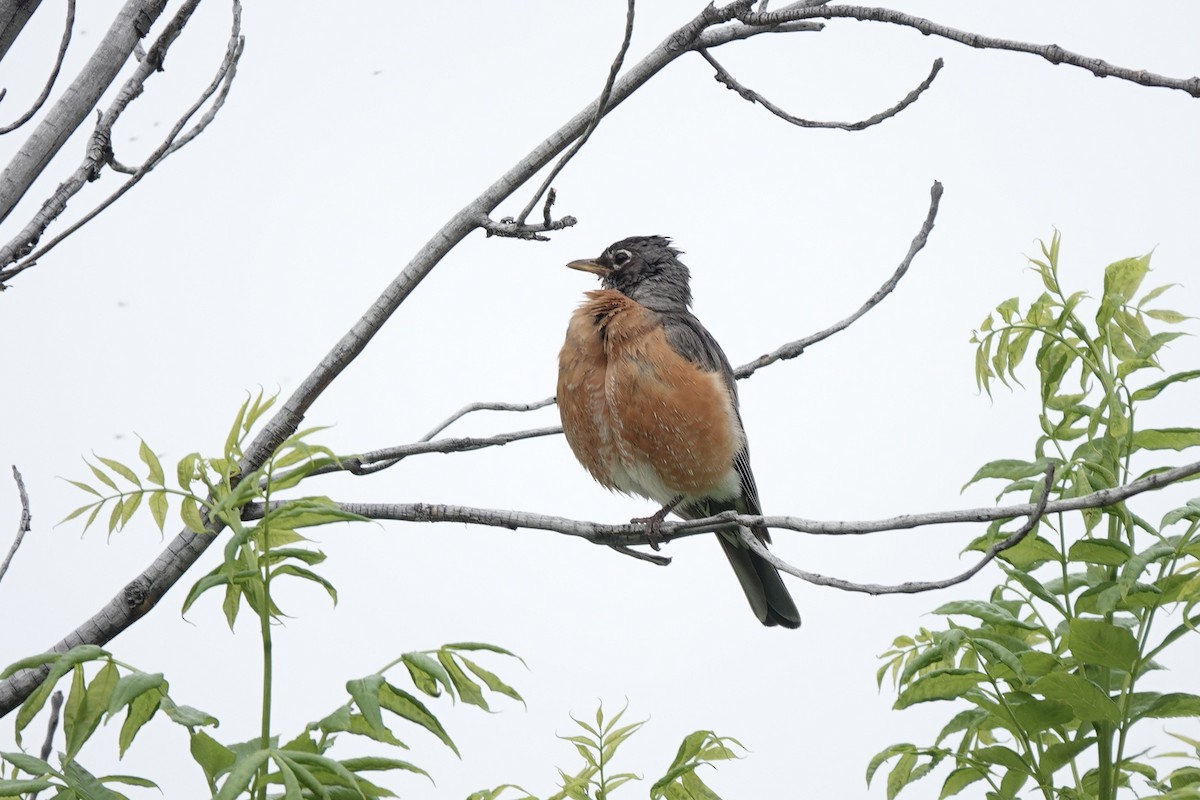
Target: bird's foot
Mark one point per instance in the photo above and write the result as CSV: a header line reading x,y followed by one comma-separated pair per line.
x,y
654,522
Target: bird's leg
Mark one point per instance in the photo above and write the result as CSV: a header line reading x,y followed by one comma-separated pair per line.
x,y
655,520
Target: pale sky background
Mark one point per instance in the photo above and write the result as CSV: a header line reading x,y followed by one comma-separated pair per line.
x,y
349,138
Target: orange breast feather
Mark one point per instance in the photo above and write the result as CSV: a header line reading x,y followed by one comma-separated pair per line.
x,y
638,416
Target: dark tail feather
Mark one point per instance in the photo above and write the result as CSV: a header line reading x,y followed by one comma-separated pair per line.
x,y
764,588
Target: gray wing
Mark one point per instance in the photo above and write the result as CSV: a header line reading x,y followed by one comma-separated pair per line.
x,y
760,581
692,340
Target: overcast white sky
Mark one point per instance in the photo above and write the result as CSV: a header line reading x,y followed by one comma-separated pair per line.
x,y
350,137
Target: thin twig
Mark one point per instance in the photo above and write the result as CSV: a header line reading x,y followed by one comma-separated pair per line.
x,y
377,460
56,701
1051,52
601,108
68,27
484,406
909,587
510,228
793,349
752,96
22,526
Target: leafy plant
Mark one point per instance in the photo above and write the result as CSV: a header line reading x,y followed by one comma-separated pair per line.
x,y
263,547
1050,666
597,746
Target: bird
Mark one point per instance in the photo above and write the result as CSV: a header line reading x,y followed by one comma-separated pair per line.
x,y
649,406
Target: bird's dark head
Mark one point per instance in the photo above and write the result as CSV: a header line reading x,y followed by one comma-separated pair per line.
x,y
644,268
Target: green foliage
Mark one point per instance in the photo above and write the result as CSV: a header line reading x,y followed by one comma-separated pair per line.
x,y
1048,669
597,747
263,545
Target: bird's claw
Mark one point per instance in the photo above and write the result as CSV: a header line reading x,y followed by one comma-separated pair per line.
x,y
653,523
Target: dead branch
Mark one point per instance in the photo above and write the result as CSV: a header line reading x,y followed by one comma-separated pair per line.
x,y
793,349
1050,52
68,28
173,141
601,110
629,534
471,408
22,526
752,96
20,173
66,116
910,587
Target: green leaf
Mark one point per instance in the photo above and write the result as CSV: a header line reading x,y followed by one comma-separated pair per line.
x,y
379,764
29,662
1086,699
84,487
1010,468
1100,551
92,707
344,720
212,756
122,470
1123,278
102,476
1095,641
1166,438
241,774
187,716
885,755
1059,755
944,684
190,513
154,467
306,574
142,709
10,789
468,690
960,779
365,692
408,707
60,667
427,673
158,509
1163,315
130,686
988,612
29,764
1175,704
186,470
85,784
491,680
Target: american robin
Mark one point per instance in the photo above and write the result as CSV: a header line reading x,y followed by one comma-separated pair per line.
x,y
649,405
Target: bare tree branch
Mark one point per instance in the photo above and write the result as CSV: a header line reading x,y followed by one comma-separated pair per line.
x,y
220,86
601,109
909,587
68,28
752,96
130,25
56,701
376,460
22,526
484,406
13,17
628,534
1051,52
793,349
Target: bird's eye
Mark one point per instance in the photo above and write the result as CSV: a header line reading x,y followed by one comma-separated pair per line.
x,y
621,257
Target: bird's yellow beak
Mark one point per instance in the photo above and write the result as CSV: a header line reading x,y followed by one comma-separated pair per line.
x,y
590,265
